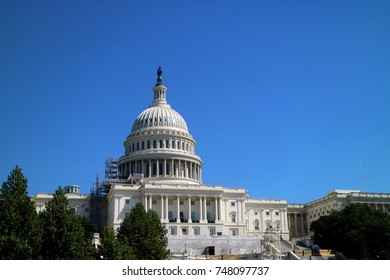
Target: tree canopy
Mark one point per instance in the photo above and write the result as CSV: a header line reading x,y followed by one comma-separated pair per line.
x,y
20,229
358,231
144,233
64,235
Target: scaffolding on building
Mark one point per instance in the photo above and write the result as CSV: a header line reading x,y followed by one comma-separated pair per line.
x,y
98,213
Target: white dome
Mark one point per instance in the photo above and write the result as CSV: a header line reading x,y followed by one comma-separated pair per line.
x,y
159,116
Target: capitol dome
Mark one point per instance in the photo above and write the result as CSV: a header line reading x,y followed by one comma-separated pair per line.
x,y
159,146
159,116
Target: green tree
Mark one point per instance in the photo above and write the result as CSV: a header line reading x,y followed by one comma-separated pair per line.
x,y
111,248
358,231
20,230
64,236
143,232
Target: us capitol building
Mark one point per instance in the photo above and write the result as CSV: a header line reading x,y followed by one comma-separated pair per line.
x,y
161,170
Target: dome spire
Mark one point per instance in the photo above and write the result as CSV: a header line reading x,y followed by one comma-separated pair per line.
x,y
159,91
159,76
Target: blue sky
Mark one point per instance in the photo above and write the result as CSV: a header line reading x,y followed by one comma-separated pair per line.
x,y
288,99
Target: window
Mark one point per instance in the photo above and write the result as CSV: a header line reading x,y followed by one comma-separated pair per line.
x,y
257,226
87,210
208,215
161,144
127,214
154,144
154,202
170,216
192,202
233,231
233,216
127,201
232,203
196,231
181,202
208,202
148,144
137,146
193,216
170,202
277,213
267,213
212,230
173,231
143,145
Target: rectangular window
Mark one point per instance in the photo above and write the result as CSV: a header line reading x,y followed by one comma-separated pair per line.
x,y
181,202
127,201
232,203
208,202
212,230
196,231
233,231
127,214
267,213
87,210
233,217
154,202
173,230
170,202
277,213
192,202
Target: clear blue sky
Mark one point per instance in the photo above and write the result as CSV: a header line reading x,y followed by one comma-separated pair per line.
x,y
284,98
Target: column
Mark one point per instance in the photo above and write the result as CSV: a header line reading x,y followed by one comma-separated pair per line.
x,y
166,208
191,174
143,167
219,208
205,209
165,168
295,224
185,169
146,202
150,202
180,173
150,168
242,210
178,209
261,219
177,170
158,168
216,209
200,207
238,211
162,207
172,168
302,227
189,210
118,199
